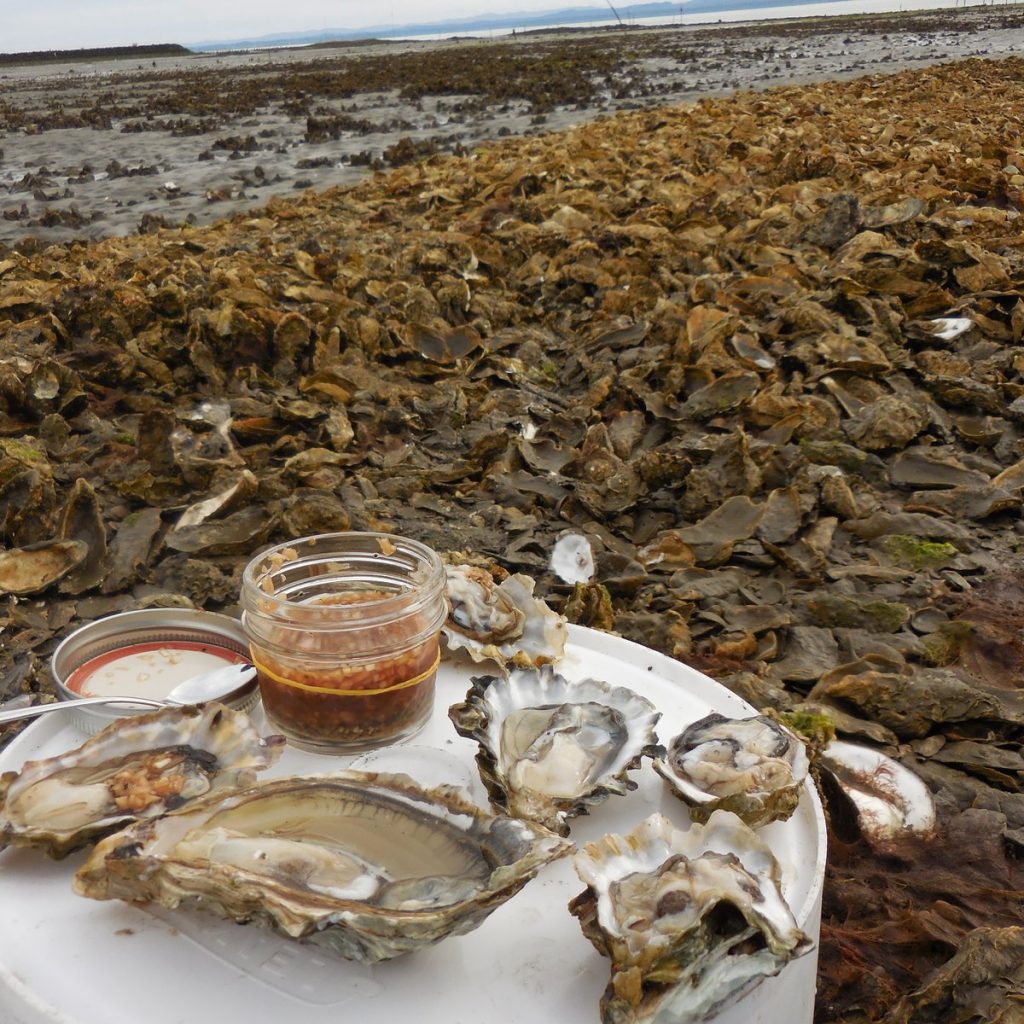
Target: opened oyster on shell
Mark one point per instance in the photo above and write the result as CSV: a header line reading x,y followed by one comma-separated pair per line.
x,y
688,919
368,865
754,767
501,621
550,747
137,767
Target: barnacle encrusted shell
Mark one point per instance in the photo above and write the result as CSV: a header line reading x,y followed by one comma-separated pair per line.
x,y
658,904
136,767
551,747
366,864
754,767
502,621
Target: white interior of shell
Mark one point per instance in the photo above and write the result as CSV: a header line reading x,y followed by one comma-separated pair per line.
x,y
889,798
556,739
572,559
509,623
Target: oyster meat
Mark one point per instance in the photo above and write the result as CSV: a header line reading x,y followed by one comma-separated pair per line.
x,y
137,767
754,767
550,748
688,919
366,864
502,621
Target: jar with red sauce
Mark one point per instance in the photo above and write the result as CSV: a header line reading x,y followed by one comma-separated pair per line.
x,y
344,630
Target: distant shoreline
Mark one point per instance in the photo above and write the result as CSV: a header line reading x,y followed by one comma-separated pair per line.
x,y
638,16
95,53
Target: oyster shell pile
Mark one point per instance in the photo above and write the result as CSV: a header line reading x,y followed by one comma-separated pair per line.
x,y
688,919
550,747
754,767
888,799
502,621
368,865
137,767
714,354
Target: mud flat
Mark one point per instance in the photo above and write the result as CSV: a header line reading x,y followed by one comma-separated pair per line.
x,y
96,148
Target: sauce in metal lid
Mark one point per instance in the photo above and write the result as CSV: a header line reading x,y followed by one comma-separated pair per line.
x,y
148,669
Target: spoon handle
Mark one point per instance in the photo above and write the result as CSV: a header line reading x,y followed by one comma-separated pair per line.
x,y
42,709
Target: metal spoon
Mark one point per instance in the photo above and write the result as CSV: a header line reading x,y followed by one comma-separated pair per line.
x,y
206,686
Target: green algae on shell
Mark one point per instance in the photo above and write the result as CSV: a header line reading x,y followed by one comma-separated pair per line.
x,y
917,553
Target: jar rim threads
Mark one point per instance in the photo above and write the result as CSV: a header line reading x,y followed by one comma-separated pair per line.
x,y
289,580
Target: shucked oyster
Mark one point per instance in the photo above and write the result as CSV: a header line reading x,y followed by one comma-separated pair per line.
x,y
368,865
503,621
754,767
135,768
689,919
549,748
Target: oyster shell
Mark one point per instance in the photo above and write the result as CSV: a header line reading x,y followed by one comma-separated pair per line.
x,y
550,748
31,569
753,767
656,903
890,801
368,865
502,621
137,767
572,559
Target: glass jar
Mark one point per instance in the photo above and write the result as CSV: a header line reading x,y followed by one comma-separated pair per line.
x,y
344,629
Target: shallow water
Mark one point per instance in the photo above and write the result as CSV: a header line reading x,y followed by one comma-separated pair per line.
x,y
752,14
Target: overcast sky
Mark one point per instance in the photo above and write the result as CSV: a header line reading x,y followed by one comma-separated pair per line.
x,y
68,24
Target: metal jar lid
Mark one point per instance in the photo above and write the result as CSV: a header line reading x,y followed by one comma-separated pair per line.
x,y
148,626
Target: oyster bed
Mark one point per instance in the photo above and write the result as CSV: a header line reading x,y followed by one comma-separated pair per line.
x,y
764,352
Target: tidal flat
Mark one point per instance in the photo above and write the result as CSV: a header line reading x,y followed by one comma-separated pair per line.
x,y
98,148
